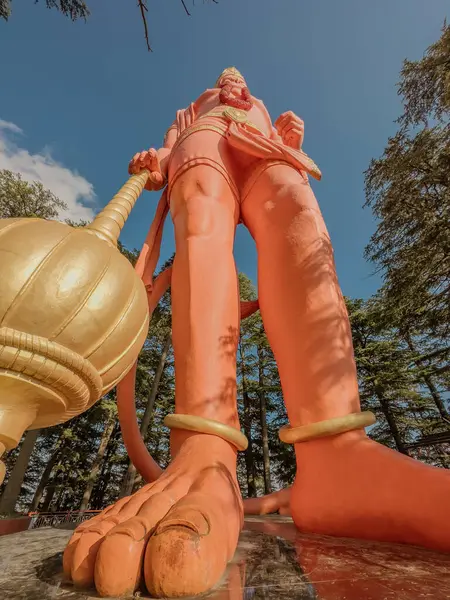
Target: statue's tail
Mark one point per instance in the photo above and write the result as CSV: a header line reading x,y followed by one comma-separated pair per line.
x,y
145,267
271,503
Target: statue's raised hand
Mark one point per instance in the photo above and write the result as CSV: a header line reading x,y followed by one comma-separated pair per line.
x,y
291,129
148,159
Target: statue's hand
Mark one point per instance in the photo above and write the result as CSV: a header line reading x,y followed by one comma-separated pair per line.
x,y
148,159
291,129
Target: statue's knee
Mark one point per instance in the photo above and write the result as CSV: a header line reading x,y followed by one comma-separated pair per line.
x,y
295,195
299,215
287,202
279,194
288,212
196,216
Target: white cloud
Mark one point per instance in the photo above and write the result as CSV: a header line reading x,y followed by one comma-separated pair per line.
x,y
68,185
10,126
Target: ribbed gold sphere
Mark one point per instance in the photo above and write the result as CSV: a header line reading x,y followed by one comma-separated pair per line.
x,y
73,316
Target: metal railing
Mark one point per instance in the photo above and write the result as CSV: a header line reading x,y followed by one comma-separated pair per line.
x,y
51,519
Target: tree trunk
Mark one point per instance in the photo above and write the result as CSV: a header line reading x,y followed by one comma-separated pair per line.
x,y
14,485
386,409
45,477
71,484
437,398
99,494
51,489
428,380
105,473
263,419
107,432
249,457
137,483
59,498
130,476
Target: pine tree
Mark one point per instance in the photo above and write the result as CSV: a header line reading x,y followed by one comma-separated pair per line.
x,y
408,192
108,414
389,382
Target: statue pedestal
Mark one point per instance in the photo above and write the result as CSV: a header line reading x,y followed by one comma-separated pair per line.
x,y
272,562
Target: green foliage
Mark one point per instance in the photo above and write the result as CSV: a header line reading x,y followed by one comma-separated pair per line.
x,y
425,84
132,255
81,223
5,9
19,198
392,381
408,191
74,9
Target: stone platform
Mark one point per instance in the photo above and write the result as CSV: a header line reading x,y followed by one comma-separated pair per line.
x,y
272,562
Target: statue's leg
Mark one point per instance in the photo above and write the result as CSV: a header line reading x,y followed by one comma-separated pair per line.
x,y
346,485
184,527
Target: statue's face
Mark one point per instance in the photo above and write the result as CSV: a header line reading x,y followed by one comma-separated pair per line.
x,y
231,76
234,81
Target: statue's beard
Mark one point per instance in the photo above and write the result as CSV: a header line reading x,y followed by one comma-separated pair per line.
x,y
244,102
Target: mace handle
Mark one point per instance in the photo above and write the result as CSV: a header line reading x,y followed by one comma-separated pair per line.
x,y
109,222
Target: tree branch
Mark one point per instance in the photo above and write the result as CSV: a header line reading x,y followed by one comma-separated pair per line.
x,y
185,8
143,8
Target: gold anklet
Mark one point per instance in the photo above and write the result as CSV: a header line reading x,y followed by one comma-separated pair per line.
x,y
201,425
294,435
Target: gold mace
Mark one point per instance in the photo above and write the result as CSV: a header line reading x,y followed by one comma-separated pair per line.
x,y
73,316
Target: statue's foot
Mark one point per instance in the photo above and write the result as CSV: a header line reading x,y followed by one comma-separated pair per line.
x,y
350,486
180,531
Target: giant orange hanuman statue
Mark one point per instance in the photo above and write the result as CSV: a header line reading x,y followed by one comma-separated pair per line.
x,y
225,163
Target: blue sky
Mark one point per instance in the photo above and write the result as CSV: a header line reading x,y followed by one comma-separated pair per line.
x,y
86,97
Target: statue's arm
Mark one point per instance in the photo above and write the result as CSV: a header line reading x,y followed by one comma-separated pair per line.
x,y
164,152
156,161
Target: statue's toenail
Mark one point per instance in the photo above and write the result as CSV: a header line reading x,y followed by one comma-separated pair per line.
x,y
193,521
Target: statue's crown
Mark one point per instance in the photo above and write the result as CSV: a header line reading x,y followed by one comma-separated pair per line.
x,y
231,71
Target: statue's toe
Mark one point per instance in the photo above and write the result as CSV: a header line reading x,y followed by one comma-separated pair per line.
x,y
188,553
119,561
83,558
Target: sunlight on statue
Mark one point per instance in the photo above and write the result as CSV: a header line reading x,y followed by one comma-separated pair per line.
x,y
223,162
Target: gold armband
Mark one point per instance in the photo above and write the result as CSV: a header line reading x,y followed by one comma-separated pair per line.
x,y
201,425
294,435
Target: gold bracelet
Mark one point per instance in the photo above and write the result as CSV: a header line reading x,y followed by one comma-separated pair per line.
x,y
294,435
201,425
